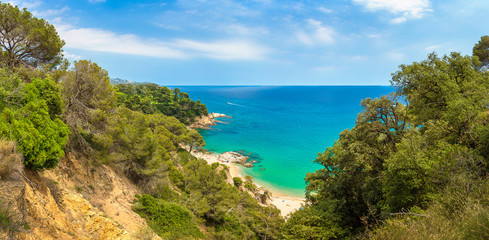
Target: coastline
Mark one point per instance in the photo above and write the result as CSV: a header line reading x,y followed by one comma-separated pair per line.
x,y
285,203
234,161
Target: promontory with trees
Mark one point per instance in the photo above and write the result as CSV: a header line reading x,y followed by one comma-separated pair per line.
x,y
414,166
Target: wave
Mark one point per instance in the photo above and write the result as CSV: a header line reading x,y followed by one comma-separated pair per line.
x,y
234,104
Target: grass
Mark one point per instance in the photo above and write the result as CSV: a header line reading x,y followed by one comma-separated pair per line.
x,y
456,215
78,189
8,220
10,160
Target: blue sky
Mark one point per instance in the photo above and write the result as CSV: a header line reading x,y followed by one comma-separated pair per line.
x,y
261,42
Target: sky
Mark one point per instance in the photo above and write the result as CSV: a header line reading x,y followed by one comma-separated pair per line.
x,y
261,42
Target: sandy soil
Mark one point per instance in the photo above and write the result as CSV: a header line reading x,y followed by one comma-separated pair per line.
x,y
286,204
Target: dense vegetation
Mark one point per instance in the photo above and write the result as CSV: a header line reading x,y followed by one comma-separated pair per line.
x,y
150,98
48,109
415,164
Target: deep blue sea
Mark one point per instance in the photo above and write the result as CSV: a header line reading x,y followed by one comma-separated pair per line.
x,y
283,128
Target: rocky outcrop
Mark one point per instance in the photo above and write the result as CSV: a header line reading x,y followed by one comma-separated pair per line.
x,y
73,201
233,157
205,121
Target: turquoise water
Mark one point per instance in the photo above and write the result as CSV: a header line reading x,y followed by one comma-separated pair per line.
x,y
283,128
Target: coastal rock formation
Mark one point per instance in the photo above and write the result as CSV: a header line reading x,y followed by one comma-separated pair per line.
x,y
205,121
233,157
248,165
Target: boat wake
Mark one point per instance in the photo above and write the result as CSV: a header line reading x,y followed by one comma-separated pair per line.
x,y
234,104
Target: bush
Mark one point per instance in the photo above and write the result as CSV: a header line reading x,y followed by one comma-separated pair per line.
x,y
456,215
237,181
249,184
10,160
33,121
168,220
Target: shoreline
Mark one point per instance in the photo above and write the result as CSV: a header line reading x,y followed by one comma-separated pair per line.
x,y
284,202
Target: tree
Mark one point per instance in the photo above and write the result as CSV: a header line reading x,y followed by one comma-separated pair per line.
x,y
349,185
27,40
448,89
193,139
481,50
88,97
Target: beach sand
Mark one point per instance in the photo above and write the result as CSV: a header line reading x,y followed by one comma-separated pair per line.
x,y
286,204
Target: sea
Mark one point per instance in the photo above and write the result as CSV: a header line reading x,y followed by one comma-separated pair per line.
x,y
281,128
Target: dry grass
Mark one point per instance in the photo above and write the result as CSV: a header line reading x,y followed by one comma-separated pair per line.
x,y
144,233
455,216
10,159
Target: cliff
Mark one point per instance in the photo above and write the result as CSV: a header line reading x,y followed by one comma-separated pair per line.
x,y
205,121
74,201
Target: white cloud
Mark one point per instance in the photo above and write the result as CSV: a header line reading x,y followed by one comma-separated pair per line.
x,y
72,56
105,41
356,58
320,34
404,9
50,12
374,35
396,56
398,20
239,29
225,50
25,3
304,38
325,10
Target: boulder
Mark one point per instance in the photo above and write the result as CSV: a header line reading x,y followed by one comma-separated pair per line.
x,y
233,157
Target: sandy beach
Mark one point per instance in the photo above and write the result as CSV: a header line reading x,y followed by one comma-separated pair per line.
x,y
286,204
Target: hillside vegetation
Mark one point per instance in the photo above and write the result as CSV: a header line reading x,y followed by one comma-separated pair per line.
x,y
414,166
49,110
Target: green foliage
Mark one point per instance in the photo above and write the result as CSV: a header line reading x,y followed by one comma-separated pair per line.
x,y
140,134
481,50
399,158
89,99
27,40
447,89
30,115
315,222
151,98
455,215
350,178
227,212
249,183
168,220
237,181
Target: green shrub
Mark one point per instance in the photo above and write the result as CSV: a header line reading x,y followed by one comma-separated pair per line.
x,y
249,184
456,215
168,220
237,181
33,121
